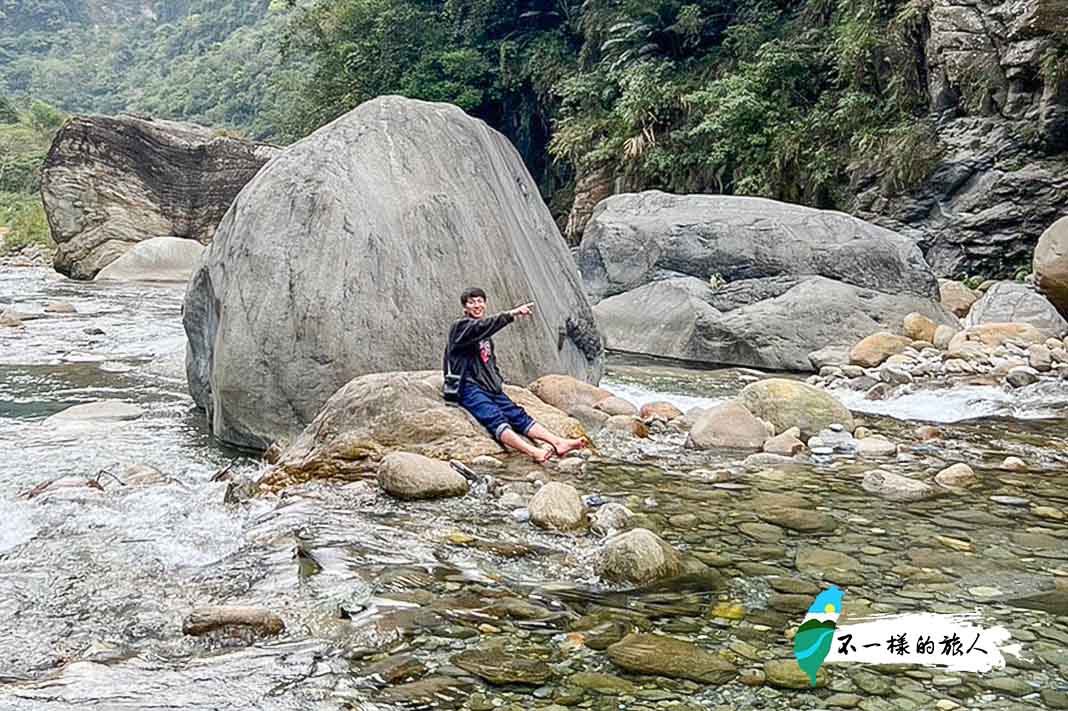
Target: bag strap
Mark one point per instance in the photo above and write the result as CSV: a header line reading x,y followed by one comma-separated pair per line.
x,y
448,365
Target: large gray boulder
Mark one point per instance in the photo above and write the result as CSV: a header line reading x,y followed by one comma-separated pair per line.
x,y
347,253
1011,302
634,239
109,183
772,323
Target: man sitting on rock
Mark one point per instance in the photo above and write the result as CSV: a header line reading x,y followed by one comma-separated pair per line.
x,y
470,355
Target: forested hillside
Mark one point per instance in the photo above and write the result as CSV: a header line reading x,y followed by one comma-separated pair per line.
x,y
747,96
216,63
894,110
25,134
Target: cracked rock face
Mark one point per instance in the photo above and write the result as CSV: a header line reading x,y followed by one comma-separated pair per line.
x,y
109,183
347,254
1003,129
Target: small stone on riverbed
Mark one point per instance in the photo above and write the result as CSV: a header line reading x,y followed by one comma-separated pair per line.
x,y
959,475
1010,500
666,656
1014,464
638,556
876,446
413,476
203,620
487,462
786,674
895,486
101,411
499,667
557,506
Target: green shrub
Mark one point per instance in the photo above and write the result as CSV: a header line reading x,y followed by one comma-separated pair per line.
x,y
25,219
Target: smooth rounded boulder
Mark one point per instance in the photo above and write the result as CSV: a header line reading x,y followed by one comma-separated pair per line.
x,y
413,476
730,426
1050,264
773,323
872,350
347,253
731,280
376,414
1010,302
566,393
957,297
895,486
659,410
638,556
557,506
790,403
919,328
156,259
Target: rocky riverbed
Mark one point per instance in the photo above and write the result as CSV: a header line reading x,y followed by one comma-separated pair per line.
x,y
464,603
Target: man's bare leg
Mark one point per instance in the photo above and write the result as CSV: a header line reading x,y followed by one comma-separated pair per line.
x,y
561,445
512,439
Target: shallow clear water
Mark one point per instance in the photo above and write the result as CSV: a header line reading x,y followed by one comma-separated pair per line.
x,y
97,579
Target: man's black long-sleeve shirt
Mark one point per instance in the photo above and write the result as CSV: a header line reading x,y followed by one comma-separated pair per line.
x,y
470,350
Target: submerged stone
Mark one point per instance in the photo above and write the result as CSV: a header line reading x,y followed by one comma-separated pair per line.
x,y
670,657
499,667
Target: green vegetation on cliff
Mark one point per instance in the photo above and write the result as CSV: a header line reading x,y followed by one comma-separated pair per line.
x,y
782,98
786,99
24,140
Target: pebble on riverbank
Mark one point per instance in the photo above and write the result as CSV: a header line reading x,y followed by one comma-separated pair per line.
x,y
1016,354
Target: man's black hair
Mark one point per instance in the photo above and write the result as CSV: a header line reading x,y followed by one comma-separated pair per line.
x,y
470,293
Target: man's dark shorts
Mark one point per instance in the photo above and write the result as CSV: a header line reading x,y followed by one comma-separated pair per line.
x,y
494,411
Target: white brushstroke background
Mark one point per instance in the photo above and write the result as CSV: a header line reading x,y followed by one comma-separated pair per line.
x,y
965,625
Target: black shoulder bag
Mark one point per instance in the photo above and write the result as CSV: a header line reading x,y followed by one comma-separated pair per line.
x,y
450,388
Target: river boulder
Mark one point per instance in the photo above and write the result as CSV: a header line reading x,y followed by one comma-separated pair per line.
x,y
638,556
110,182
557,505
346,255
412,476
772,323
633,239
374,415
729,426
1011,302
566,393
156,259
957,296
789,403
1050,264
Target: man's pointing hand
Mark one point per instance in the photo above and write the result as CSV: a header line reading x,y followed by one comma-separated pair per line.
x,y
524,310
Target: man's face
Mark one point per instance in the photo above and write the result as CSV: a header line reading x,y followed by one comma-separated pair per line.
x,y
475,307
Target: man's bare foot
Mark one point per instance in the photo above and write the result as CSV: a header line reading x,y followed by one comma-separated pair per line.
x,y
541,455
569,445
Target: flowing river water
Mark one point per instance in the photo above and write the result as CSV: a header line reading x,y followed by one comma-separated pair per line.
x,y
379,597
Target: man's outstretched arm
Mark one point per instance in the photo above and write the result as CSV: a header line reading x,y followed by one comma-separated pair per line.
x,y
470,331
